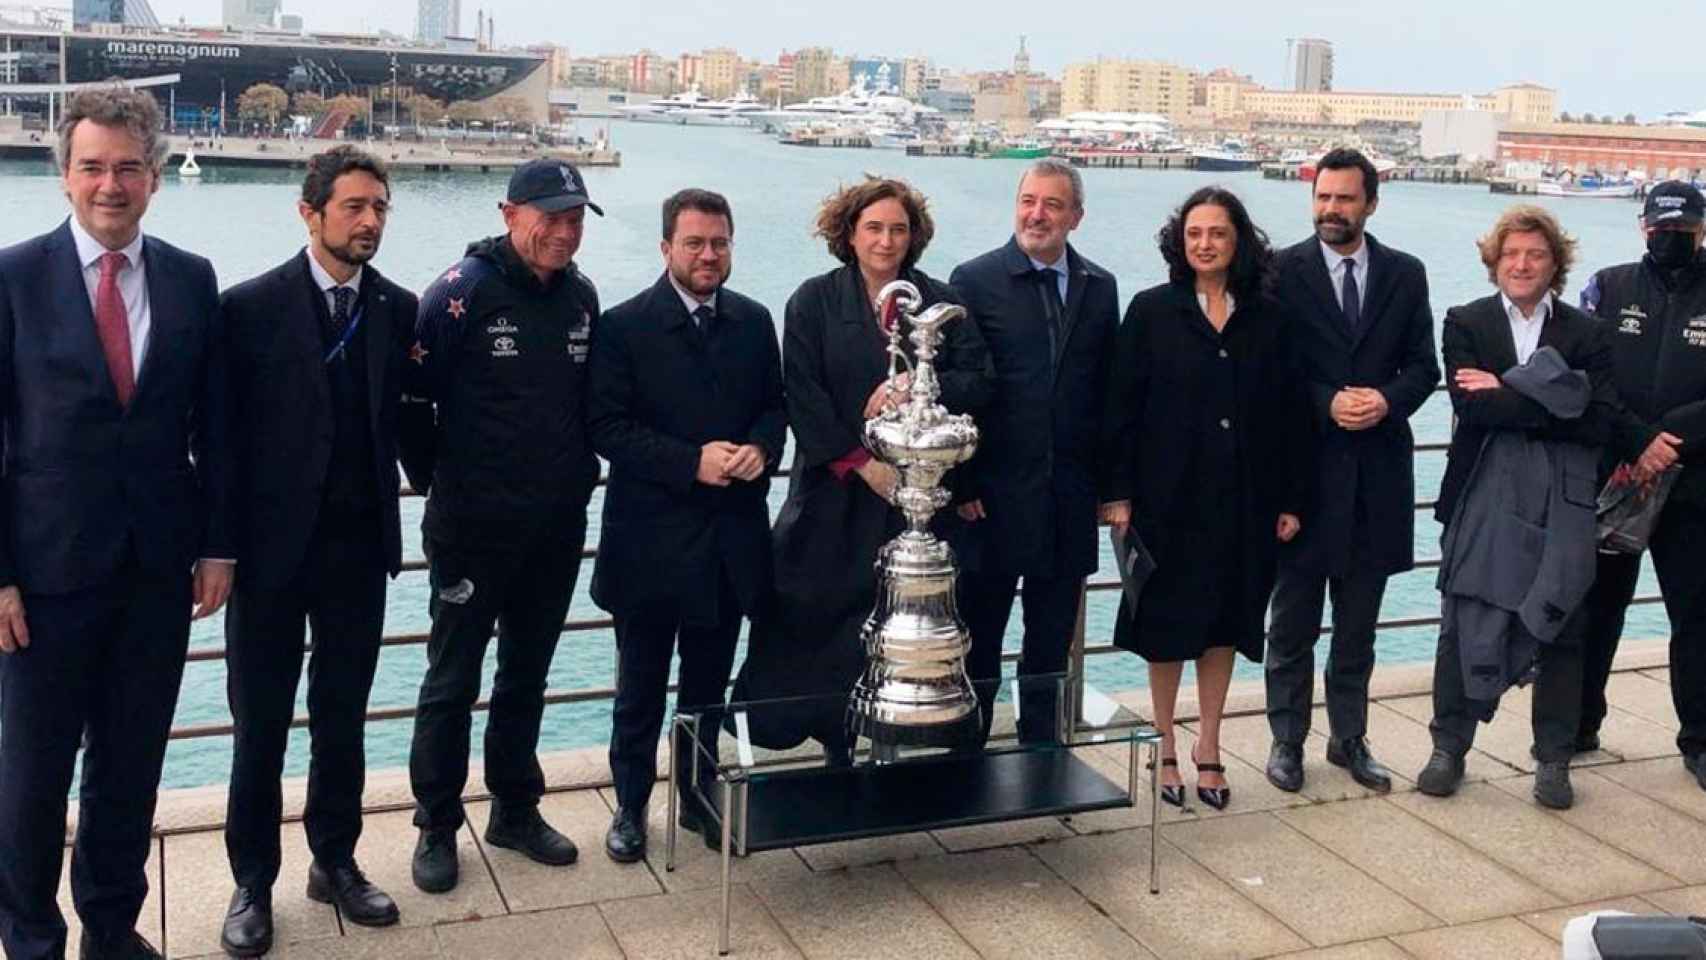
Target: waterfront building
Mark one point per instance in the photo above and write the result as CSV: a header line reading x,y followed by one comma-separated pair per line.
x,y
811,74
249,14
1312,65
1654,153
133,13
1127,86
437,19
1235,98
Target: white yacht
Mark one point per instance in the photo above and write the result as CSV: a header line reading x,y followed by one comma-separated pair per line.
x,y
856,102
694,109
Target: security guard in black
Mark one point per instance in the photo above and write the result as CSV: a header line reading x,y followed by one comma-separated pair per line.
x,y
498,376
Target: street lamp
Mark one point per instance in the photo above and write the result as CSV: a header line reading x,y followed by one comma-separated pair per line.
x,y
393,96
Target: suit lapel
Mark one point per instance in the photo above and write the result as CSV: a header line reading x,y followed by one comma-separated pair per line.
x,y
376,317
165,317
869,346
65,279
303,327
1078,278
1315,277
1500,338
1380,289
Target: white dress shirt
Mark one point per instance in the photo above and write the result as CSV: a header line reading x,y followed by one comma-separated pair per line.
x,y
690,301
1336,272
132,287
1525,331
327,284
1231,303
1059,267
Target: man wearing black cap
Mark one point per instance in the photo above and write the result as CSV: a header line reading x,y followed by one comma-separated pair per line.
x,y
496,434
1656,309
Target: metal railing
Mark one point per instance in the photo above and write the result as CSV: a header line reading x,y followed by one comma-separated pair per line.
x,y
1080,651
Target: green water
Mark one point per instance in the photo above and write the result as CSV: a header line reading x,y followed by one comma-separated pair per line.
x,y
246,222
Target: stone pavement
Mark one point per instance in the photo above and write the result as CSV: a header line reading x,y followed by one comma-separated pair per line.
x,y
1334,872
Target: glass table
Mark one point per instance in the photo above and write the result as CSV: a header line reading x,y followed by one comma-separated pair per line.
x,y
1033,764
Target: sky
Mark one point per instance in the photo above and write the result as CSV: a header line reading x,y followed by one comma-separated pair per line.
x,y
1599,59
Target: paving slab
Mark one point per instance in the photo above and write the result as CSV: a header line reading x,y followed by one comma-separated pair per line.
x,y
696,866
862,853
1639,826
1644,696
1424,865
1502,939
1403,744
1364,950
1315,892
678,926
583,817
1665,780
199,888
1683,901
1541,848
870,913
1111,871
1249,739
1009,906
147,923
408,943
1011,834
1622,735
1552,922
1506,739
1251,791
577,932
389,839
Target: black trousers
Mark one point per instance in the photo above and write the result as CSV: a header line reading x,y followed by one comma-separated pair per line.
x,y
1604,609
102,671
1050,606
1557,696
525,593
645,641
339,594
1294,627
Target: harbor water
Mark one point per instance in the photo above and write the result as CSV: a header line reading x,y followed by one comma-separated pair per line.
x,y
245,221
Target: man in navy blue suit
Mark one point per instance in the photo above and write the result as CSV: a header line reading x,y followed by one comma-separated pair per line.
x,y
114,522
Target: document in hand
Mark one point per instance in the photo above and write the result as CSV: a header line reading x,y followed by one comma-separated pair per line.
x,y
1628,511
1134,562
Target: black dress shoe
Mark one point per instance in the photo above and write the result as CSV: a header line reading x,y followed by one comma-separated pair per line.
x,y
435,867
528,833
1552,785
358,900
1442,775
1696,764
1587,742
1285,766
1353,755
248,923
625,841
127,946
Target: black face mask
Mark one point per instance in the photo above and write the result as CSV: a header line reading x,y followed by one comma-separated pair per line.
x,y
1671,249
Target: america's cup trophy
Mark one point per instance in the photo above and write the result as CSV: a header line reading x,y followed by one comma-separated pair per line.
x,y
915,690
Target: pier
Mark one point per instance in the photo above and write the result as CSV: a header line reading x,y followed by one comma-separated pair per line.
x,y
439,155
1109,160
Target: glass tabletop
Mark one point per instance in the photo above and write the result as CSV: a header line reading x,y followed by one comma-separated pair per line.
x,y
1031,713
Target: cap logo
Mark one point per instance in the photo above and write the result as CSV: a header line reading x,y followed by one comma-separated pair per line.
x,y
1669,203
568,179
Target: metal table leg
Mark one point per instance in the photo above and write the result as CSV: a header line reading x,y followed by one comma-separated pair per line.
x,y
669,823
1154,817
728,839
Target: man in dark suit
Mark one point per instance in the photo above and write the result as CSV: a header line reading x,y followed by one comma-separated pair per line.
x,y
1528,257
115,518
316,349
1029,495
1365,343
685,401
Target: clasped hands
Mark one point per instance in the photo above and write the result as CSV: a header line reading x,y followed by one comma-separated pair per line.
x,y
1358,408
721,462
1117,514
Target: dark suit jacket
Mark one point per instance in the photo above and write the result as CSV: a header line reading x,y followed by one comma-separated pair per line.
x,y
88,482
1362,501
1036,464
1478,336
658,390
282,415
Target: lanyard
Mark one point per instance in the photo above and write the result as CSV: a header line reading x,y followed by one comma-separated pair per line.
x,y
349,331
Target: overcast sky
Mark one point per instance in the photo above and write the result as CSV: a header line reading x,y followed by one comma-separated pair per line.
x,y
1645,58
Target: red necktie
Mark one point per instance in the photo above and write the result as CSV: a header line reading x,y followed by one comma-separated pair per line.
x,y
113,326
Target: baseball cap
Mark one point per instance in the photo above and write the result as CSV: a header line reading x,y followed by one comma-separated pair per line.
x,y
1673,202
551,185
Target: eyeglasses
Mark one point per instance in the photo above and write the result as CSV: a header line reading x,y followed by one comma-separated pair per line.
x,y
697,245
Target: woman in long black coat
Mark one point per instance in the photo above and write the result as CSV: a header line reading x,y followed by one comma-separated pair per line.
x,y
1206,452
835,373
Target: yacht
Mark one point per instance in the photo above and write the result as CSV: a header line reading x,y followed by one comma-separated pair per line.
x,y
1231,155
856,102
693,109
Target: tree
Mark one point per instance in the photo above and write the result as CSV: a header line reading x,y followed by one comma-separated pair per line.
x,y
1589,118
308,103
465,112
1629,119
424,109
356,107
262,102
512,109
1565,117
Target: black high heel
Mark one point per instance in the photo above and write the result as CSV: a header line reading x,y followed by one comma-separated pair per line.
x,y
1216,797
1173,793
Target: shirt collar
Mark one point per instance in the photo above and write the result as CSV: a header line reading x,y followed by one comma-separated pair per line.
x,y
324,280
89,250
1059,266
1542,310
1334,258
690,301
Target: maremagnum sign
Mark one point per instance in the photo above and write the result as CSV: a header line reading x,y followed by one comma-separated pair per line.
x,y
159,53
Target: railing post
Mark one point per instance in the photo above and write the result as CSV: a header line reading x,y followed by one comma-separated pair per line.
x,y
1075,658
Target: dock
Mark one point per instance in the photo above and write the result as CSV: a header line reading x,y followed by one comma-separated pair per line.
x,y
1404,173
1332,872
294,153
1111,160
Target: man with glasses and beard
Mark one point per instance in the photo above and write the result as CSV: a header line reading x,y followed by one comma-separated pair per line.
x,y
317,346
685,401
1367,356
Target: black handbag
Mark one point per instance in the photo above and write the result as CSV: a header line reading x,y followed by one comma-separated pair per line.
x,y
1628,511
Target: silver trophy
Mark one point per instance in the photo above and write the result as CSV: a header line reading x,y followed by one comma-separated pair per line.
x,y
915,689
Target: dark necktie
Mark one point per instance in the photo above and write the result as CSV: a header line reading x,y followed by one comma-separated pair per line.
x,y
343,298
702,317
1350,299
1048,280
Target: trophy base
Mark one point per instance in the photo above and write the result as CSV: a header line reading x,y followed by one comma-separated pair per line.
x,y
951,724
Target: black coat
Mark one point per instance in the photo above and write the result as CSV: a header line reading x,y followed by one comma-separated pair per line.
x,y
87,482
282,414
828,531
1362,501
659,390
1477,336
1036,465
1160,406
